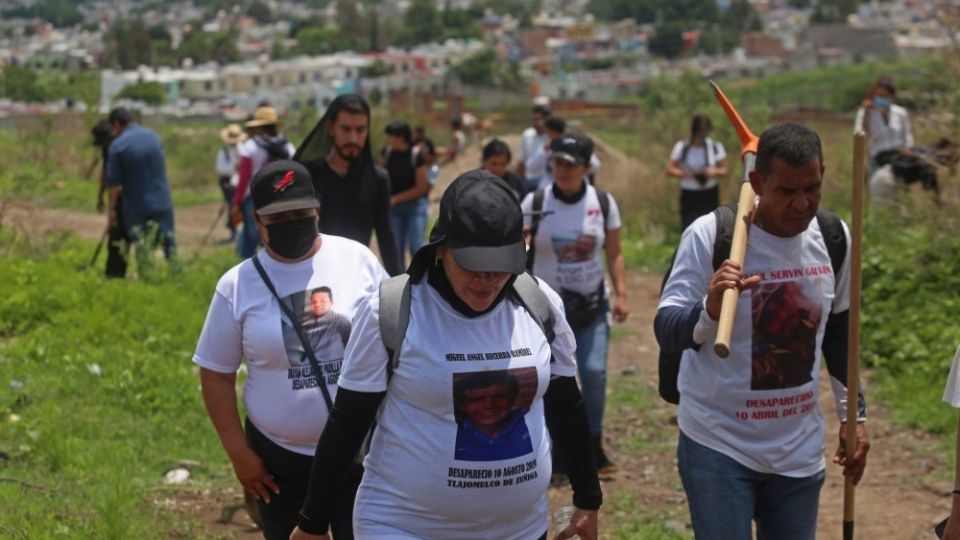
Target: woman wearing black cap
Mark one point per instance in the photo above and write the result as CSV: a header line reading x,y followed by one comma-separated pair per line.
x,y
572,227
287,311
460,449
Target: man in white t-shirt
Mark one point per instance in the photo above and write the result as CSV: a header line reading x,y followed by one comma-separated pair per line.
x,y
751,431
533,137
951,395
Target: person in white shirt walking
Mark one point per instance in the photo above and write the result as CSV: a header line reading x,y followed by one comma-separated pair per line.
x,y
886,124
533,138
698,162
228,158
292,334
460,449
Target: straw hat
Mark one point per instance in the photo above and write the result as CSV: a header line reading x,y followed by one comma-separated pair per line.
x,y
232,134
265,116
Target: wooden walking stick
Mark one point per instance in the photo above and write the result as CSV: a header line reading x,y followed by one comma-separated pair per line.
x,y
738,248
853,343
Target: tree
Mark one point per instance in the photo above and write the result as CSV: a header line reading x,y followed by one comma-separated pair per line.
x,y
421,22
128,45
60,13
150,92
22,84
378,68
260,11
668,41
317,40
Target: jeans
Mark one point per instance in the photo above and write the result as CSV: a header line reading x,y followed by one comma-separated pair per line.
x,y
724,496
409,222
592,342
694,204
249,238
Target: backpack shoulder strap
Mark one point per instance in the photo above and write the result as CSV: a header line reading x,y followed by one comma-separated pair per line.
x,y
394,317
726,217
604,199
537,210
536,303
684,150
831,228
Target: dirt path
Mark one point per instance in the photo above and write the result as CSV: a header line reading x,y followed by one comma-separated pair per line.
x,y
905,491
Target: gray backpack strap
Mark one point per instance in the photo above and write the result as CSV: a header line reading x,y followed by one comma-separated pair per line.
x,y
394,317
536,303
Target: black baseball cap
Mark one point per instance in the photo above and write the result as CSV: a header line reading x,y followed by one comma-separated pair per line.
x,y
576,148
282,186
481,223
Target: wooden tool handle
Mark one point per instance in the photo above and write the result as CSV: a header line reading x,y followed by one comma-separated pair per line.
x,y
738,252
853,343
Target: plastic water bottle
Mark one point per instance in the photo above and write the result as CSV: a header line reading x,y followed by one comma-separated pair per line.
x,y
561,520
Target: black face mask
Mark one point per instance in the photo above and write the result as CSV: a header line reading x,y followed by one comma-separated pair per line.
x,y
292,239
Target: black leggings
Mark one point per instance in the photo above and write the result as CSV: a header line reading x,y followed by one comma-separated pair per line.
x,y
291,472
694,204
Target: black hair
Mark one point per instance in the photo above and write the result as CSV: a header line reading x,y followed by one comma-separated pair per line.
x,y
323,289
555,123
430,149
400,129
420,128
484,379
699,122
120,116
886,81
496,147
270,129
791,143
542,110
351,103
456,123
102,134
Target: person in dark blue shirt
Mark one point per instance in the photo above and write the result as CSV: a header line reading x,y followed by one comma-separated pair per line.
x,y
136,168
492,427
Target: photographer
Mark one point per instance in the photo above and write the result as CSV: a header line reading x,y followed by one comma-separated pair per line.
x,y
698,163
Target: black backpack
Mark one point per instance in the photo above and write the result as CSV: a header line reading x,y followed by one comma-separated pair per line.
x,y
276,148
834,237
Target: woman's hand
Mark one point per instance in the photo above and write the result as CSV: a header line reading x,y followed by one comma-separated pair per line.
x,y
620,308
297,534
583,524
253,474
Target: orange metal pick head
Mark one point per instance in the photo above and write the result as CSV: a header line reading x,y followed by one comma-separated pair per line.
x,y
748,141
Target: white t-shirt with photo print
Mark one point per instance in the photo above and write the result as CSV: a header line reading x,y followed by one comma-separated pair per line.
x,y
697,160
245,321
570,240
760,405
428,473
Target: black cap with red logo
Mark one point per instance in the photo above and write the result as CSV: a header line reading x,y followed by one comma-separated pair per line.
x,y
282,186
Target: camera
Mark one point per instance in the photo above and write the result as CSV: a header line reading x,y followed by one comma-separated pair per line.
x,y
701,178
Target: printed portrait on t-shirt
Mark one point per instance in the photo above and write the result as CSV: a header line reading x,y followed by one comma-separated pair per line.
x,y
326,331
786,317
490,409
574,249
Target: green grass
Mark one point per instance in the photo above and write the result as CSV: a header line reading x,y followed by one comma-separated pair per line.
x,y
88,452
633,523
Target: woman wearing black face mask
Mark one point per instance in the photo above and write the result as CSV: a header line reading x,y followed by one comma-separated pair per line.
x,y
287,311
698,163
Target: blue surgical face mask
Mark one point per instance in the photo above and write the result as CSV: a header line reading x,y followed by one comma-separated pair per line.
x,y
882,102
